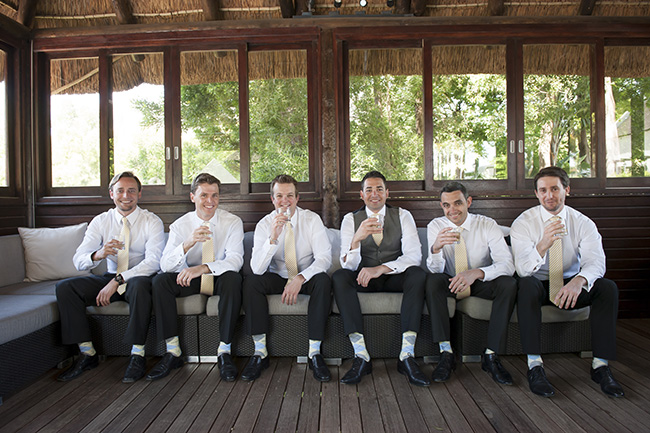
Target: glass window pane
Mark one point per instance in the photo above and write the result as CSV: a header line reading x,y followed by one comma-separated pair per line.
x,y
627,111
74,120
4,150
386,113
557,112
469,112
139,116
279,120
210,115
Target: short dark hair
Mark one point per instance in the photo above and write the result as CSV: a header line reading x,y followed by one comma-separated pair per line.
x,y
454,186
284,178
374,174
553,172
204,178
124,174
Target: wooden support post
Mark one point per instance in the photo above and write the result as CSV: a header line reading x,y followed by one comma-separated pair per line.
x,y
286,8
211,10
402,7
418,7
586,7
27,12
123,11
496,8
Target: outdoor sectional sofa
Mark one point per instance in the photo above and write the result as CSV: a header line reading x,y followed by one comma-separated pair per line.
x,y
30,341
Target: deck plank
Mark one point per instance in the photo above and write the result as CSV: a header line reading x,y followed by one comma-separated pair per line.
x,y
390,409
371,420
251,407
408,405
268,416
349,404
308,419
330,412
290,410
190,412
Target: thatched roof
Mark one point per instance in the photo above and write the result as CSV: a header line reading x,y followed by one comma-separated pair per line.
x,y
79,76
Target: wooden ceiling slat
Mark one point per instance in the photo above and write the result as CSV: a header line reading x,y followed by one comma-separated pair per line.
x,y
587,7
27,12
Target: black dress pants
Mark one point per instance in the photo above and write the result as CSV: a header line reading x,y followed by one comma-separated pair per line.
x,y
603,299
166,290
256,306
502,291
73,295
410,282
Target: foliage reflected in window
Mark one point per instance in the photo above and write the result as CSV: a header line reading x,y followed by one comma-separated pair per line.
x,y
138,88
279,120
210,115
74,121
469,112
557,111
4,150
386,113
627,111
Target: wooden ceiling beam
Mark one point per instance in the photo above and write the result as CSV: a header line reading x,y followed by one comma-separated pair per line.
x,y
302,6
211,10
286,8
418,7
123,11
496,8
587,7
27,12
403,7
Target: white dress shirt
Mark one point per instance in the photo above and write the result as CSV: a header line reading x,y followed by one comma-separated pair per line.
x,y
313,249
582,246
147,239
411,246
486,248
228,236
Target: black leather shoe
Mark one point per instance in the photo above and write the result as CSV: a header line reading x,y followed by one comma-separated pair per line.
x,y
317,364
360,367
164,366
227,369
254,368
445,366
83,363
411,369
609,385
538,382
135,370
492,364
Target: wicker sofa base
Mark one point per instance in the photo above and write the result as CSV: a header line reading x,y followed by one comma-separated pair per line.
x,y
469,336
41,351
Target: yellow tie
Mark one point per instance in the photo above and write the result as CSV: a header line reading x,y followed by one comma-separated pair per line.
x,y
555,269
123,254
290,259
207,256
460,261
378,237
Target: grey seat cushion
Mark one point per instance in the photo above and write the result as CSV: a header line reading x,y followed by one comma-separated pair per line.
x,y
276,307
480,309
12,265
189,305
21,315
389,303
26,288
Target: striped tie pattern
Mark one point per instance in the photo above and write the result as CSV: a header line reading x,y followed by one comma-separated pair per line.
x,y
377,237
207,256
460,261
555,269
290,259
123,254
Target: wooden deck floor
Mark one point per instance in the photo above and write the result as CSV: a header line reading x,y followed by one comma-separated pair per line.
x,y
286,398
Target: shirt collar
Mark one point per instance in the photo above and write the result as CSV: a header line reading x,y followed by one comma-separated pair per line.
x,y
466,225
381,212
213,221
132,218
546,215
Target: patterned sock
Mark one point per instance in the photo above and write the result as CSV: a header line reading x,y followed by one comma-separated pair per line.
x,y
223,348
489,351
137,349
314,348
408,341
445,346
173,346
599,362
534,361
260,345
87,348
359,346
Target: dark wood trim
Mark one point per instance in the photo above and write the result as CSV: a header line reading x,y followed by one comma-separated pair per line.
x,y
286,8
515,102
402,7
105,121
597,99
427,88
496,7
586,7
419,7
173,122
123,11
315,150
12,32
244,122
212,10
27,12
301,6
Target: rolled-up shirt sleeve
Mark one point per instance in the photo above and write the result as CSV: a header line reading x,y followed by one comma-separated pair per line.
x,y
350,258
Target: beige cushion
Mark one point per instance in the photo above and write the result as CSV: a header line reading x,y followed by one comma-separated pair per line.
x,y
389,303
480,309
49,252
187,306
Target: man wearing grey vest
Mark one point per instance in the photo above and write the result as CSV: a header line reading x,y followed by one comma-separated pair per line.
x,y
380,252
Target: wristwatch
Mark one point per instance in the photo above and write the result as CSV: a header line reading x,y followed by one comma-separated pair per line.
x,y
120,279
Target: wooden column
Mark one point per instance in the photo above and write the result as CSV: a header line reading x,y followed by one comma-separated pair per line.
x,y
329,132
286,8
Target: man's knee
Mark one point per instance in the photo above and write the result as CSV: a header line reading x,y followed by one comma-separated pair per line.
x,y
251,285
606,289
507,286
529,288
341,279
436,283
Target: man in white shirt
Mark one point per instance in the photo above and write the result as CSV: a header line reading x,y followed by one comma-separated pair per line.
x,y
468,256
207,231
146,239
291,255
380,252
554,233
